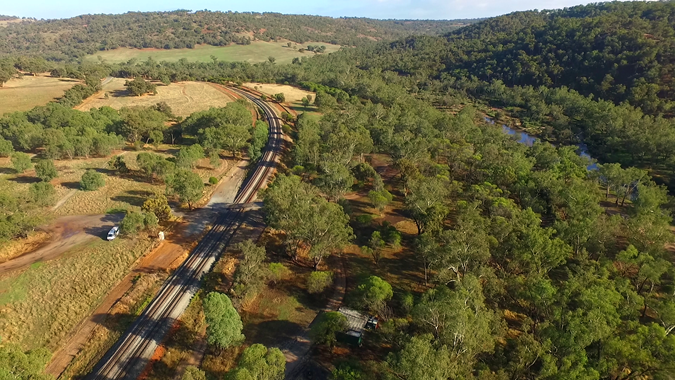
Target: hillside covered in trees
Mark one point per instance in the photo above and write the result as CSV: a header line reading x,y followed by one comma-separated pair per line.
x,y
75,37
618,51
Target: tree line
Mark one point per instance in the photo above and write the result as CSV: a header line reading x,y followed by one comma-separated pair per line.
x,y
87,34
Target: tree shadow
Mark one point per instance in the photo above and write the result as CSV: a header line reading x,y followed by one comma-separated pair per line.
x,y
7,171
25,179
71,185
105,171
271,333
133,197
119,93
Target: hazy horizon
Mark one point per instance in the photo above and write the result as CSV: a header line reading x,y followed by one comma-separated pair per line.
x,y
379,9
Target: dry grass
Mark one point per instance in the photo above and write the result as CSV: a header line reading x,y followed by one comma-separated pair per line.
x,y
184,98
292,94
16,248
28,92
106,334
42,304
127,192
258,51
4,23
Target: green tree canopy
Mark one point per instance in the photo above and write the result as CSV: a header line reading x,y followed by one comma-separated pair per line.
x,y
223,324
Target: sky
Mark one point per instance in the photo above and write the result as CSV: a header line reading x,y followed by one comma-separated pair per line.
x,y
382,9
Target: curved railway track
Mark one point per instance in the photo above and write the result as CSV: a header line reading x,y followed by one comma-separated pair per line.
x,y
131,353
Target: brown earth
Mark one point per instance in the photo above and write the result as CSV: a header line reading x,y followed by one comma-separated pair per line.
x,y
66,233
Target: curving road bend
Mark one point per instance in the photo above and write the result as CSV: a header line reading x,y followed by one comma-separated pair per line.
x,y
131,353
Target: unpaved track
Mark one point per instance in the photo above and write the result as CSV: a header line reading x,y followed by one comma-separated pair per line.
x,y
165,257
67,232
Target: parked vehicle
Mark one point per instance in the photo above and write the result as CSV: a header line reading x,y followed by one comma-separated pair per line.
x,y
113,233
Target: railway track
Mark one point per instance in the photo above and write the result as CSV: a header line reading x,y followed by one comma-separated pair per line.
x,y
131,353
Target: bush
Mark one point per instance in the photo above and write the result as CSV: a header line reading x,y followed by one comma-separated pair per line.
x,y
6,148
319,281
132,223
213,180
20,162
42,193
373,294
45,170
159,206
278,272
193,373
324,331
364,220
91,180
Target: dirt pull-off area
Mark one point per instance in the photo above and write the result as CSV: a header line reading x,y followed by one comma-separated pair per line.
x,y
66,233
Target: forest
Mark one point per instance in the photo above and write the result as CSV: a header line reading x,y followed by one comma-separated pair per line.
x,y
65,39
533,266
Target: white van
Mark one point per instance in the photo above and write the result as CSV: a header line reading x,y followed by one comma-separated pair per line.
x,y
113,233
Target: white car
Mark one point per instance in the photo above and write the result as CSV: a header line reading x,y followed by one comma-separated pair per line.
x,y
113,233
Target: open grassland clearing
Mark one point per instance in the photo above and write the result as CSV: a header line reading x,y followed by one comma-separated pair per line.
x,y
22,94
292,94
43,303
184,98
257,51
119,192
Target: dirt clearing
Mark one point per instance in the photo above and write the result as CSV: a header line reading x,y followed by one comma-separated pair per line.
x,y
292,94
30,91
184,98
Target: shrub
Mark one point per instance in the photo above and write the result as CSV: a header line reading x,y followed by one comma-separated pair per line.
x,y
193,373
6,148
324,331
373,293
117,164
150,221
364,220
132,223
213,180
45,170
91,180
20,162
223,322
278,272
158,205
42,193
319,281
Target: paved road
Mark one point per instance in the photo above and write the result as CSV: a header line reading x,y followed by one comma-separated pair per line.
x,y
130,355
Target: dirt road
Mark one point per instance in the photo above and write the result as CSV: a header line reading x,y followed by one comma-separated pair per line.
x,y
67,232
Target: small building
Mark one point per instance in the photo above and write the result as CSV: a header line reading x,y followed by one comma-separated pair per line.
x,y
356,323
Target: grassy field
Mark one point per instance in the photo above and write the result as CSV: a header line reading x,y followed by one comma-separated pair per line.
x,y
184,97
28,92
120,192
257,51
292,94
40,305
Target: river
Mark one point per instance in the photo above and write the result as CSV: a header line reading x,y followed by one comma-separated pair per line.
x,y
524,138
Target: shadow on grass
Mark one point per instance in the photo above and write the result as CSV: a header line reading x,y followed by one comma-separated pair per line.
x,y
133,197
7,171
71,185
271,333
25,179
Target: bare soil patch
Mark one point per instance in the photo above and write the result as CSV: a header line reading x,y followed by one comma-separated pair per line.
x,y
184,98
